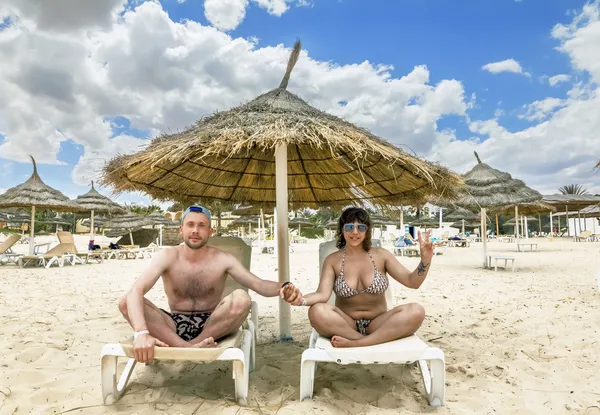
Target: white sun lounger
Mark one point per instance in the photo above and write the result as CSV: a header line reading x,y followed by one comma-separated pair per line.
x,y
404,351
238,347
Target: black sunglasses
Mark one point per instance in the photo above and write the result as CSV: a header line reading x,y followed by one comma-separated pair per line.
x,y
349,227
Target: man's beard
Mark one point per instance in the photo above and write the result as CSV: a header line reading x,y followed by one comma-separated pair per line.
x,y
196,245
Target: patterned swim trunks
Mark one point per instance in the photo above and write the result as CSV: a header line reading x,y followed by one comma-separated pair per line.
x,y
189,326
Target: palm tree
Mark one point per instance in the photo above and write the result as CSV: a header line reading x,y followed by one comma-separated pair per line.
x,y
573,189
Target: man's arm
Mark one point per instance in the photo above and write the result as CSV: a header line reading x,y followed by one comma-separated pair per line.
x,y
243,276
135,296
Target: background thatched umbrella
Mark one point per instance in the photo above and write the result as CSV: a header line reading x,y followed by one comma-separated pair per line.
x,y
425,222
157,218
488,188
462,216
94,202
37,194
99,221
278,149
129,221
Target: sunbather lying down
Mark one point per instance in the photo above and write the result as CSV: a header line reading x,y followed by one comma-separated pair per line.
x,y
194,278
356,273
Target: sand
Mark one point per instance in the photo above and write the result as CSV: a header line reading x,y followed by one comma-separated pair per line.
x,y
525,342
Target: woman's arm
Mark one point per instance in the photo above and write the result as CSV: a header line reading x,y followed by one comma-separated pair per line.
x,y
325,287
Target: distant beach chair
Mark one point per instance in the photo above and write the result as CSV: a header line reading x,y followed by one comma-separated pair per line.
x,y
238,347
56,255
6,253
406,351
80,257
583,237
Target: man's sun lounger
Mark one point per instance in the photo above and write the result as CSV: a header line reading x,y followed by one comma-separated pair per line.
x,y
406,351
238,347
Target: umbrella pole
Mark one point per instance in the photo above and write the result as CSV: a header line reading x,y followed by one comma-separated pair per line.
x,y
463,226
567,220
517,223
160,235
92,226
402,221
525,220
283,250
551,228
31,231
497,226
484,239
539,223
130,237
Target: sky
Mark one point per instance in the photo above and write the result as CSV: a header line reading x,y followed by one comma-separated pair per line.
x,y
82,81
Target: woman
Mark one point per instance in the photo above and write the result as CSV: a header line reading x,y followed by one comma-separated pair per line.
x,y
357,275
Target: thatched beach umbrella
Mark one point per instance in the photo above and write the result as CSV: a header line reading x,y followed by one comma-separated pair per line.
x,y
99,221
488,188
462,216
156,218
94,202
277,149
37,194
129,221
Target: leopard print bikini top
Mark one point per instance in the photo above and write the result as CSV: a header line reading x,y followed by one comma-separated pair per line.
x,y
378,286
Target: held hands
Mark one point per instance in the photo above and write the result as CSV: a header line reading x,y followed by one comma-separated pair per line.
x,y
426,246
143,347
291,294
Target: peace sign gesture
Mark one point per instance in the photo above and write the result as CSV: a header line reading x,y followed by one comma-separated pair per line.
x,y
426,246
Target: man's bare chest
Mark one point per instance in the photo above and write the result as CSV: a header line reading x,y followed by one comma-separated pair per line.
x,y
195,282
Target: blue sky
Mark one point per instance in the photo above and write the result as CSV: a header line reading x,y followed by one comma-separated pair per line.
x,y
453,39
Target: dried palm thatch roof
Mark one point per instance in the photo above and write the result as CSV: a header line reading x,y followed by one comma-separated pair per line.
x,y
34,192
253,211
534,208
467,224
425,221
93,200
571,202
99,221
128,220
156,218
300,222
459,214
489,188
230,156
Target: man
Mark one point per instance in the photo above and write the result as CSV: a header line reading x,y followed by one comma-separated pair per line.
x,y
194,277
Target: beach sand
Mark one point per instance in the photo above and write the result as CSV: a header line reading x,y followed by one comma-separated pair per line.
x,y
525,342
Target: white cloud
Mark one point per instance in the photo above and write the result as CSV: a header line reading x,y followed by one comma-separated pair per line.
x,y
228,14
274,7
580,40
507,65
225,14
557,79
540,110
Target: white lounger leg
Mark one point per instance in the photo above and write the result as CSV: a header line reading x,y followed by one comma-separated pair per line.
x,y
308,367
111,391
307,376
241,367
434,376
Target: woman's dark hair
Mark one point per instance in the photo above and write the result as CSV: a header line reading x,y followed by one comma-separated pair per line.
x,y
350,215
